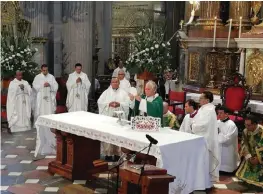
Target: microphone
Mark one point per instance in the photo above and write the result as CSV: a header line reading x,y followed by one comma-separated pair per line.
x,y
151,139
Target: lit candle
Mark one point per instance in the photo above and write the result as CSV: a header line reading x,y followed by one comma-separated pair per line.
x,y
240,27
229,33
214,39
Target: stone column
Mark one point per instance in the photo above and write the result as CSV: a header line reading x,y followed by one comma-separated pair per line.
x,y
240,9
208,11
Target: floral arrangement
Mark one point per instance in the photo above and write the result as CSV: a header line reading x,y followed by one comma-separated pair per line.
x,y
152,53
17,54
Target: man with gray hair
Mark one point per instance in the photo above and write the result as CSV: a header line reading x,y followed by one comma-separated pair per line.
x,y
150,104
18,104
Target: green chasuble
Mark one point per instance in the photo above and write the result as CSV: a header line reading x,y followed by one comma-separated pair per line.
x,y
252,144
154,108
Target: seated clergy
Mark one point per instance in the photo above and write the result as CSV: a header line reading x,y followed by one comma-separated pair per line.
x,y
190,110
228,142
121,67
19,104
251,168
169,119
113,99
124,83
150,104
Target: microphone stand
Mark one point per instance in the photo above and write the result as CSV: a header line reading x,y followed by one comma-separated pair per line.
x,y
119,164
142,169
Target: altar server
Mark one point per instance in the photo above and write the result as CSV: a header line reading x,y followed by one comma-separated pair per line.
x,y
228,142
46,88
124,83
78,86
205,124
150,104
121,67
111,100
191,110
18,104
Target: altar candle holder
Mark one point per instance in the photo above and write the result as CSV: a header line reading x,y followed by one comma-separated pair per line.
x,y
214,37
229,36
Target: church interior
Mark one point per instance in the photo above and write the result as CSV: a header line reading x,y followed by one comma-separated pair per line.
x,y
187,48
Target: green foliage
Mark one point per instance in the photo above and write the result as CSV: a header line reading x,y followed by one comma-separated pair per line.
x,y
152,53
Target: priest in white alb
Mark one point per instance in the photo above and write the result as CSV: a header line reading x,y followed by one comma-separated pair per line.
x,y
205,124
124,83
121,67
111,100
228,141
18,104
78,86
46,87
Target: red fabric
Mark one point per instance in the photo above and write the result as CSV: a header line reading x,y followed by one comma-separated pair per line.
x,y
177,96
235,118
3,115
235,97
236,80
58,97
178,111
3,100
61,109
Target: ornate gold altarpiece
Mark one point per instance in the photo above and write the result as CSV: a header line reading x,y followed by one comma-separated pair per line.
x,y
207,68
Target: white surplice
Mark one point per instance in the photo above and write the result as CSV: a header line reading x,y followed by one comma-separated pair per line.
x,y
125,85
185,126
45,105
205,124
19,106
77,99
113,95
228,144
116,72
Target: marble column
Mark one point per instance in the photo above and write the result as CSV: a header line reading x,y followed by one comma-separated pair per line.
x,y
104,29
208,11
78,33
240,9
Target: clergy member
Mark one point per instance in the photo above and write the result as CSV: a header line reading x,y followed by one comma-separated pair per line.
x,y
205,124
120,66
18,104
169,119
251,168
191,110
46,88
78,86
111,100
228,142
124,83
150,104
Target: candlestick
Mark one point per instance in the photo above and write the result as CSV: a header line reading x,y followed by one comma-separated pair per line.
x,y
229,33
214,39
240,27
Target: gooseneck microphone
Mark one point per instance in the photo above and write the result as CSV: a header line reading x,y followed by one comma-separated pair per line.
x,y
151,139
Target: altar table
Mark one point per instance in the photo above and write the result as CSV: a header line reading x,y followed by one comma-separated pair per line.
x,y
183,155
256,106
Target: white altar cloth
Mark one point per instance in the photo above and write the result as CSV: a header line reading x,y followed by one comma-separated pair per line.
x,y
183,155
256,106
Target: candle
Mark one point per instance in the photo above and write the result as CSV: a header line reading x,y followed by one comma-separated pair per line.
x,y
240,27
229,33
214,39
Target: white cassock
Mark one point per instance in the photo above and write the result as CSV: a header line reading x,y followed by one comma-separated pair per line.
x,y
77,99
205,124
185,126
228,144
125,85
19,106
116,72
45,105
112,95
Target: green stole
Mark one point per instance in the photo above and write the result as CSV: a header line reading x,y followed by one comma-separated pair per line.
x,y
154,108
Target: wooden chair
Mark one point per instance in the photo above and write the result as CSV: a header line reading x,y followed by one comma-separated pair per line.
x,y
176,99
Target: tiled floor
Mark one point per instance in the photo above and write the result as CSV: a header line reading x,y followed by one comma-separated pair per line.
x,y
21,173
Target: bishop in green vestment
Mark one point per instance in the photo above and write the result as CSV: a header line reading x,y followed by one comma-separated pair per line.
x,y
150,104
251,168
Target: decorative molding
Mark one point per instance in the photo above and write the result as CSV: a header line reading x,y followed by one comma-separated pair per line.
x,y
194,66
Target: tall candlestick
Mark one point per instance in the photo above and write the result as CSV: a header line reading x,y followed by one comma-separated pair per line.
x,y
240,27
214,39
229,33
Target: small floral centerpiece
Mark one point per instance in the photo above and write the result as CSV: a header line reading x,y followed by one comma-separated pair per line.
x,y
17,54
152,53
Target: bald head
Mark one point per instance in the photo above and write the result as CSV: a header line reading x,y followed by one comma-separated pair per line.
x,y
121,74
19,75
165,107
115,83
150,88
